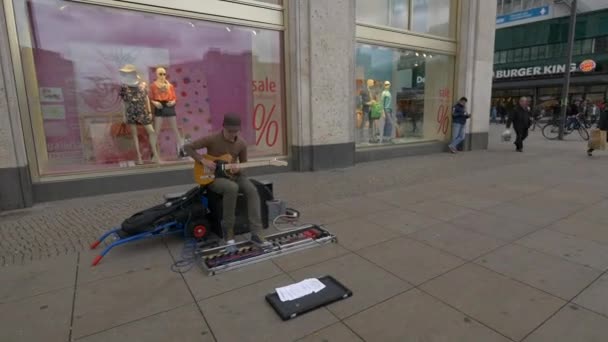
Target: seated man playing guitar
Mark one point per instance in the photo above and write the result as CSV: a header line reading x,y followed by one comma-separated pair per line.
x,y
228,142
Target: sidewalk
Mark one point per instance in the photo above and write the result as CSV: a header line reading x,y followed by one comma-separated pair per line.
x,y
480,246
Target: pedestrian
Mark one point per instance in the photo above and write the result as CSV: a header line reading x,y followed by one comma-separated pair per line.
x,y
603,127
493,114
459,120
502,111
520,118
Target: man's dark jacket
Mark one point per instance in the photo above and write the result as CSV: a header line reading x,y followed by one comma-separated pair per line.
x,y
459,114
520,118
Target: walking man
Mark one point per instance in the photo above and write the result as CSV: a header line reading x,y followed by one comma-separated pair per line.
x,y
520,118
459,121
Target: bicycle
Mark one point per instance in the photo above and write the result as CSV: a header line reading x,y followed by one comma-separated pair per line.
x,y
551,129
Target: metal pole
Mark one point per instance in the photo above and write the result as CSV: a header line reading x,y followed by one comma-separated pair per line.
x,y
566,88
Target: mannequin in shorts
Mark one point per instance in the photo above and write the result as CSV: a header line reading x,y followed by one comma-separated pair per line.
x,y
163,99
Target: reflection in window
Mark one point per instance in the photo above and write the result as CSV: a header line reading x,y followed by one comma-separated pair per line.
x,y
392,13
432,17
587,46
517,54
533,53
401,95
86,55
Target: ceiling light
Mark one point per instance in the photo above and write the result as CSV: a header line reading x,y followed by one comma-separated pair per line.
x,y
254,33
417,54
228,29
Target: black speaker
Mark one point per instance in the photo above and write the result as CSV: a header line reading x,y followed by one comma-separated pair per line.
x,y
241,226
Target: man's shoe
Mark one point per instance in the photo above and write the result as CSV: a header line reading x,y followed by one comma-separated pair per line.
x,y
590,152
260,241
452,149
231,248
519,150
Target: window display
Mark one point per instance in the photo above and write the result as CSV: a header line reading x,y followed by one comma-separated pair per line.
x,y
392,13
117,88
402,95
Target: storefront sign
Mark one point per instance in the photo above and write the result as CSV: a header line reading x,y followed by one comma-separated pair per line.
x,y
534,71
587,65
531,13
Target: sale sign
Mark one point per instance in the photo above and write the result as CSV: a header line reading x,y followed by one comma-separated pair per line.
x,y
267,112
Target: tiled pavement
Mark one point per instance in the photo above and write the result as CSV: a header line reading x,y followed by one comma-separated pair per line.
x,y
483,246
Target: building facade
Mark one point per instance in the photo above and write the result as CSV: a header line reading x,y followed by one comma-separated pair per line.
x,y
323,84
534,65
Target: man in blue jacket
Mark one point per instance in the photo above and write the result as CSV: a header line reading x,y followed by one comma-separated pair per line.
x,y
459,121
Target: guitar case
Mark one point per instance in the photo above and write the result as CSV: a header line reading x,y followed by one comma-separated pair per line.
x,y
241,225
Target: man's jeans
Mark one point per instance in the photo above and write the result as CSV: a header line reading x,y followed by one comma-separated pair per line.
x,y
229,189
457,134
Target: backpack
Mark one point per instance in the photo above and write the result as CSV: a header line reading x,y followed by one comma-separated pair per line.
x,y
376,111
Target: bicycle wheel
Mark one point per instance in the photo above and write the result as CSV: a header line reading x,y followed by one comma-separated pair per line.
x,y
551,131
583,132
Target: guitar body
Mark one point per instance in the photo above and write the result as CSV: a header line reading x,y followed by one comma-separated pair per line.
x,y
204,176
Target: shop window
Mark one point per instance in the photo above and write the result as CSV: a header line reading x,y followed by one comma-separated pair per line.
x,y
534,53
587,47
601,44
496,57
433,17
509,56
506,6
577,47
503,57
517,55
95,67
393,13
415,88
516,6
542,52
498,7
525,54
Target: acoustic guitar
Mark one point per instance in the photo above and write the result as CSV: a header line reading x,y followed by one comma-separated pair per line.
x,y
223,167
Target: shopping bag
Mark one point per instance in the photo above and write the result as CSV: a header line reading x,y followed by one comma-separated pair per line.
x,y
506,135
120,129
595,137
603,138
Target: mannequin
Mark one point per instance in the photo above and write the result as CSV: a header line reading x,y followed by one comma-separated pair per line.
x,y
387,112
162,96
134,93
367,100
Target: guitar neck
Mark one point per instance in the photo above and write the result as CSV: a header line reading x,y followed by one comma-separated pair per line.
x,y
248,164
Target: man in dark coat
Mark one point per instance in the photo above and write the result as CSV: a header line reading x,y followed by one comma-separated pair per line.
x,y
602,124
520,118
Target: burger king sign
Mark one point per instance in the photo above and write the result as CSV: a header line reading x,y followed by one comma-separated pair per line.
x,y
587,65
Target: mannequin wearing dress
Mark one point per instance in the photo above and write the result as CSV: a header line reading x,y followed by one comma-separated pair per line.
x,y
163,99
134,93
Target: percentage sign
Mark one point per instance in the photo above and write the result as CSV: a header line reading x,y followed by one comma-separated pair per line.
x,y
442,119
266,125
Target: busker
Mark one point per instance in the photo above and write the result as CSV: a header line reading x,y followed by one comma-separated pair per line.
x,y
520,118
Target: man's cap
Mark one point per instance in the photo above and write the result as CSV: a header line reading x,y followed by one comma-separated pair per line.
x,y
387,83
231,120
128,68
463,99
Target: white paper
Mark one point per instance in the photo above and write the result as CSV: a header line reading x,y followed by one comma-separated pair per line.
x,y
299,290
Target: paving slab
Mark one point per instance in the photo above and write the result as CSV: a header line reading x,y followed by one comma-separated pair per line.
x,y
370,284
512,308
416,316
494,226
123,259
205,286
584,229
40,318
572,323
360,206
439,210
308,257
244,315
539,216
334,333
595,297
555,275
41,276
584,252
465,244
109,302
184,324
321,214
410,260
401,220
471,201
357,233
